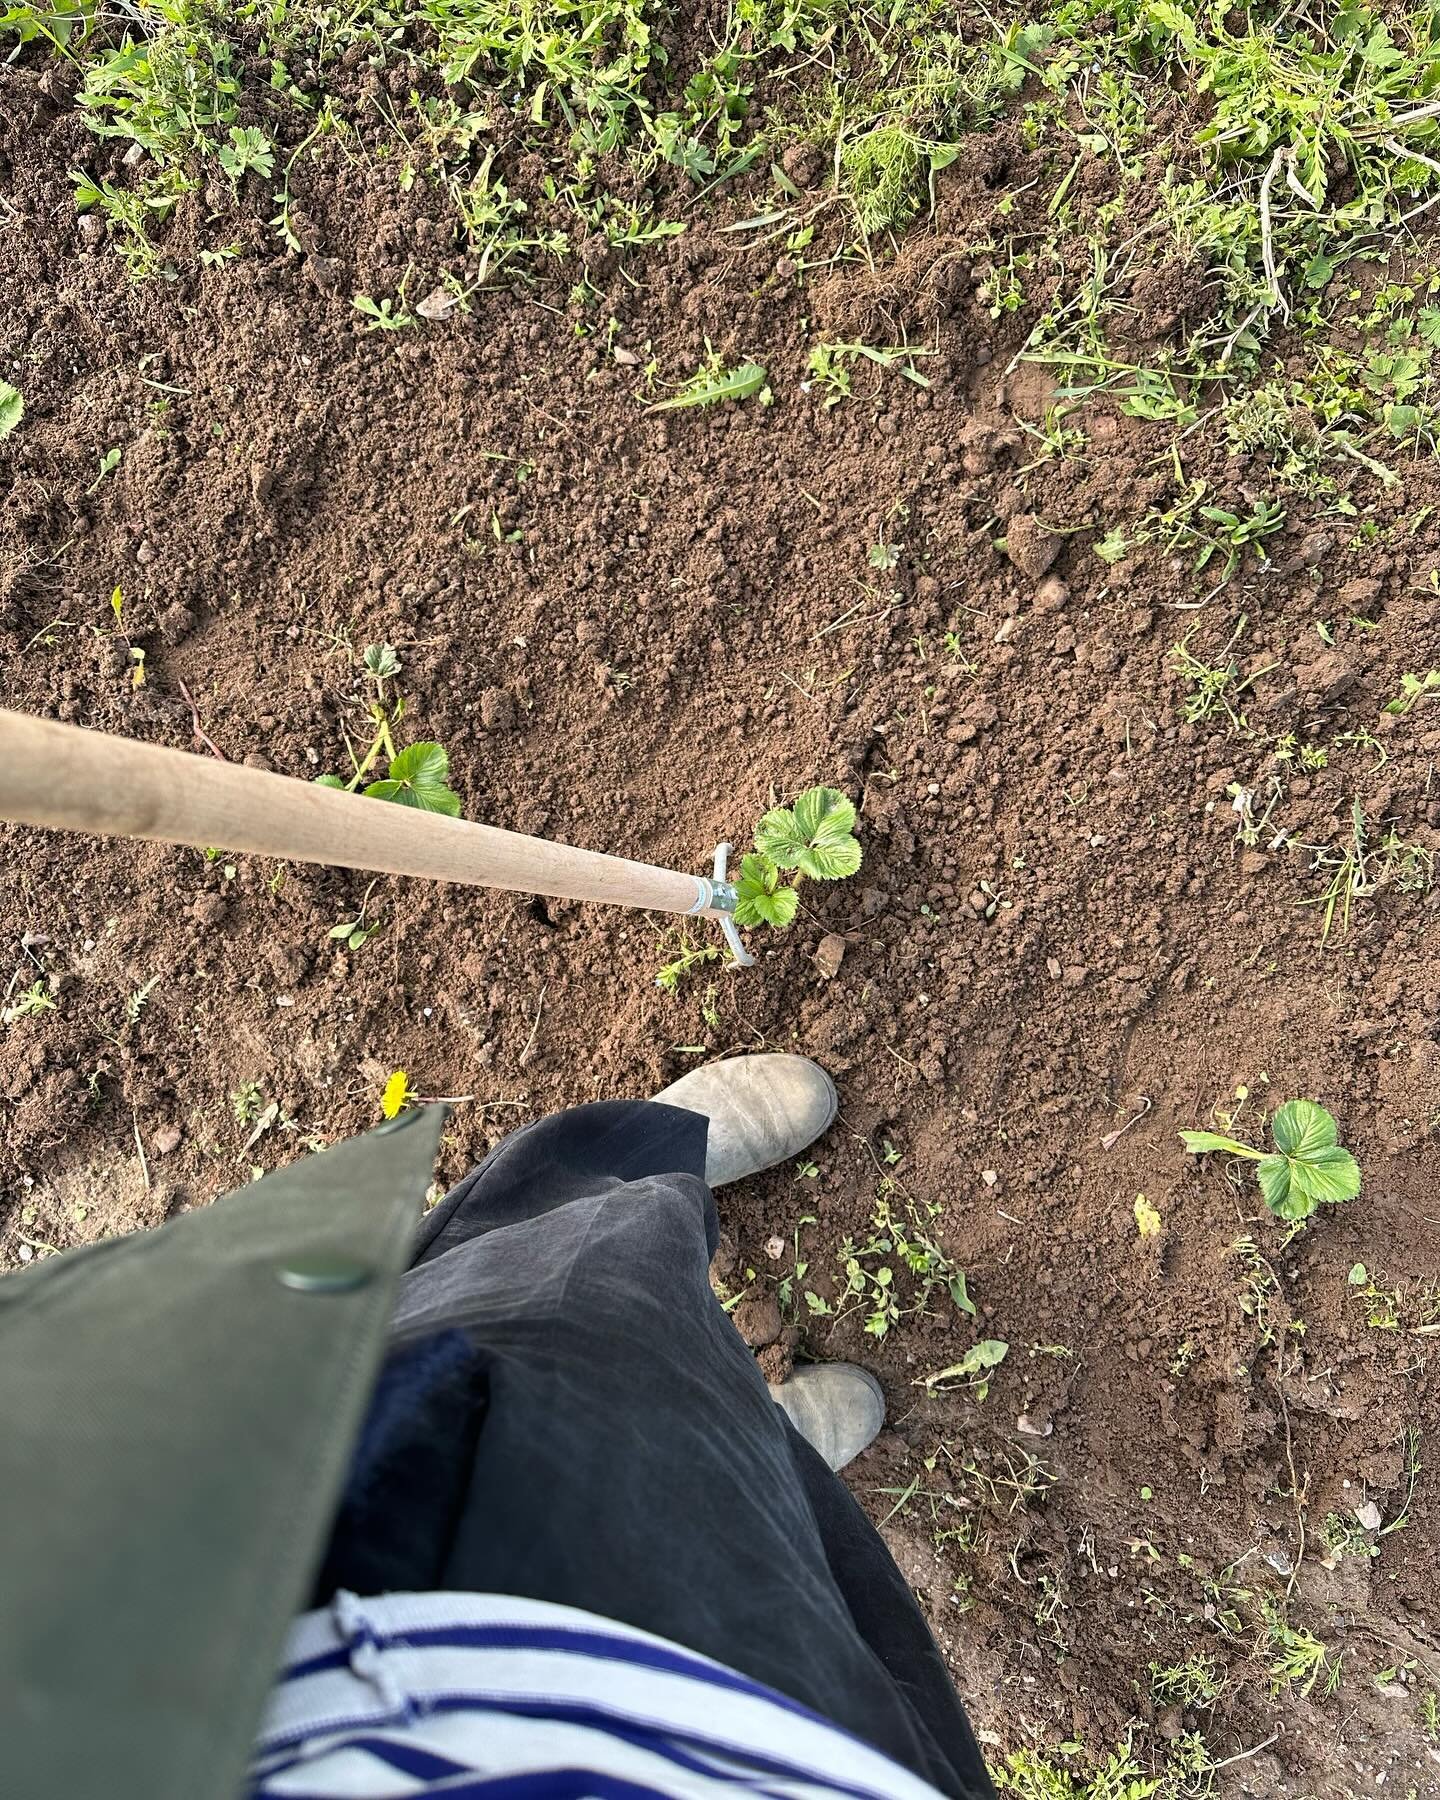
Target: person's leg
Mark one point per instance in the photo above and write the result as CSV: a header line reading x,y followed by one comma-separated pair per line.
x,y
567,1156
631,1461
883,1607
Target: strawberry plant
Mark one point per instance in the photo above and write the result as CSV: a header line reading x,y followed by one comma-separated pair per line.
x,y
418,776
815,838
1307,1169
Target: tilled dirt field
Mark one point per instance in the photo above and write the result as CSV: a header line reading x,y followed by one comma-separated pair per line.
x,y
1209,1449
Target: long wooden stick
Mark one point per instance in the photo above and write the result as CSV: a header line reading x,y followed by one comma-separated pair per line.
x,y
75,780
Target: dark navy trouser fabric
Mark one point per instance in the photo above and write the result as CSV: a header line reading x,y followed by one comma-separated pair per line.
x,y
568,1414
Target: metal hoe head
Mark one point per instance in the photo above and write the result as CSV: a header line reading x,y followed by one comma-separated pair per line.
x,y
717,897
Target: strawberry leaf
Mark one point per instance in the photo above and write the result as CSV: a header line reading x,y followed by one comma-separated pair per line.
x,y
419,776
761,900
815,836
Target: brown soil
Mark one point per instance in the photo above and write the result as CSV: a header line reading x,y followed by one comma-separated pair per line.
x,y
678,622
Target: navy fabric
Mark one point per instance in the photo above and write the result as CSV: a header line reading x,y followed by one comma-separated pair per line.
x,y
606,1441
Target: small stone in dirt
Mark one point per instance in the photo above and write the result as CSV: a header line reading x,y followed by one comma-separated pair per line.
x,y
1253,861
437,306
91,228
325,272
1358,596
209,909
829,955
497,709
805,164
1030,546
1028,1427
990,1177
166,1139
176,623
1326,679
775,1247
873,901
758,1320
1369,1516
1051,595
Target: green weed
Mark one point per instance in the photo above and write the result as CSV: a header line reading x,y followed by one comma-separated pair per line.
x,y
1296,1659
713,384
1198,1681
35,1000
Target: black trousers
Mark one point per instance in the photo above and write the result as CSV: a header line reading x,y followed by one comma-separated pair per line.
x,y
568,1415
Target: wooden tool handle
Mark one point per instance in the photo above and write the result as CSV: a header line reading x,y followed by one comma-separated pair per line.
x,y
75,780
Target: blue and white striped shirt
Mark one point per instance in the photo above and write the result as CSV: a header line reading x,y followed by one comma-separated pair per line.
x,y
481,1697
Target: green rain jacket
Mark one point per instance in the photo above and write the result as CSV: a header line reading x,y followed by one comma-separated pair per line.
x,y
177,1411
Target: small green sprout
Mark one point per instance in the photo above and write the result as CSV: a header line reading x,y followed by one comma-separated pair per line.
x,y
12,408
247,1101
357,932
382,316
109,463
35,1000
1413,688
1307,1168
249,148
712,382
669,976
815,838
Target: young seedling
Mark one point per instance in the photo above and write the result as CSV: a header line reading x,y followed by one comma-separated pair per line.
x,y
247,1101
35,1000
249,148
1413,688
12,408
814,838
1236,532
712,382
830,367
1307,1168
382,316
416,776
109,463
356,933
669,976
